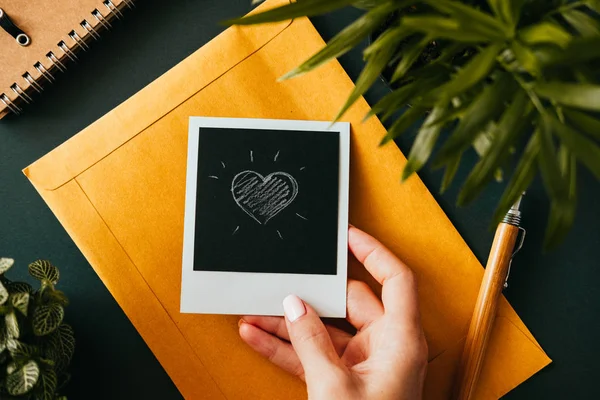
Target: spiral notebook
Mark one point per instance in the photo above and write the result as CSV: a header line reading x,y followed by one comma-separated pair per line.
x,y
42,39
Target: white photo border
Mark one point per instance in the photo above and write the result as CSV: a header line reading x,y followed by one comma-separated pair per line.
x,y
250,293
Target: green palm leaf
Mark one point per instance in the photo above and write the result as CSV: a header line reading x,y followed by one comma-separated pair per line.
x,y
548,162
583,23
507,10
473,18
392,101
578,95
562,211
347,39
411,53
378,55
521,179
594,5
509,128
423,146
487,105
450,172
584,122
439,27
495,70
409,117
290,11
526,58
545,32
583,148
579,50
472,73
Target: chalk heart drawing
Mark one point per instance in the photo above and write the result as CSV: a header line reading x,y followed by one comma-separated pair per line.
x,y
263,197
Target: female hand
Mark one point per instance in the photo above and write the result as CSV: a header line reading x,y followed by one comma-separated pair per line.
x,y
385,359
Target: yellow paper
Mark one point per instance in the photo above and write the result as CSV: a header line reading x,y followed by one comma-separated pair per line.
x,y
118,189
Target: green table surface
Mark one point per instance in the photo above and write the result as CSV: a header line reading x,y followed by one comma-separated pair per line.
x,y
557,294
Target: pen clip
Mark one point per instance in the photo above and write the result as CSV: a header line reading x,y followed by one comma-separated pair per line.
x,y
522,232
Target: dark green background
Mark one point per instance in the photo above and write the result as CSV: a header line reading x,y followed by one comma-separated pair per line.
x,y
557,294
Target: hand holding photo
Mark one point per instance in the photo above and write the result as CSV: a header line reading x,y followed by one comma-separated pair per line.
x,y
266,216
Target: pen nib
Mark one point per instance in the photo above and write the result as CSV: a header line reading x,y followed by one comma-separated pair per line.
x,y
517,205
513,216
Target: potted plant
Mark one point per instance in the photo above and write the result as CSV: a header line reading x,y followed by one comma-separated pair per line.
x,y
36,346
511,78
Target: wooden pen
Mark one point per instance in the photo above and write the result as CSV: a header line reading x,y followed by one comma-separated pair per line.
x,y
495,279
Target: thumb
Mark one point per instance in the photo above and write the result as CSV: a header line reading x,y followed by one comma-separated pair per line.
x,y
310,338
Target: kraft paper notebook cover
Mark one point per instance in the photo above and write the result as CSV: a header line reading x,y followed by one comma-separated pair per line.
x,y
58,30
118,189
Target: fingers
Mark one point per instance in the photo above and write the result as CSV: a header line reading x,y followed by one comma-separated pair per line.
x,y
399,292
310,339
274,325
277,326
363,306
275,350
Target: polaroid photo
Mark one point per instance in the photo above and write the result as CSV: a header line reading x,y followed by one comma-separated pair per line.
x,y
266,216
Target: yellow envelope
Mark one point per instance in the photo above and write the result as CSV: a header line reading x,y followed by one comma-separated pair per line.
x,y
118,189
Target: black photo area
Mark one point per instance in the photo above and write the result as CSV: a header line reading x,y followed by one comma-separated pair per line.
x,y
301,238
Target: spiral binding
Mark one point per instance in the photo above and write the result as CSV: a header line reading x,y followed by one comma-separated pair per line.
x,y
58,62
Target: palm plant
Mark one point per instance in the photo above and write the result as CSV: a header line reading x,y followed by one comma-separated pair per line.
x,y
511,78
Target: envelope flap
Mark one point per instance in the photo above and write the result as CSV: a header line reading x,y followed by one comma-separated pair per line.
x,y
157,99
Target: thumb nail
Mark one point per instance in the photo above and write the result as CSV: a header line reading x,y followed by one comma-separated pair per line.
x,y
293,307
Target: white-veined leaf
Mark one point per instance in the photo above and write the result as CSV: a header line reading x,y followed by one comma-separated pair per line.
x,y
62,346
46,318
19,349
5,264
47,386
19,287
3,294
20,301
12,325
43,269
23,379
